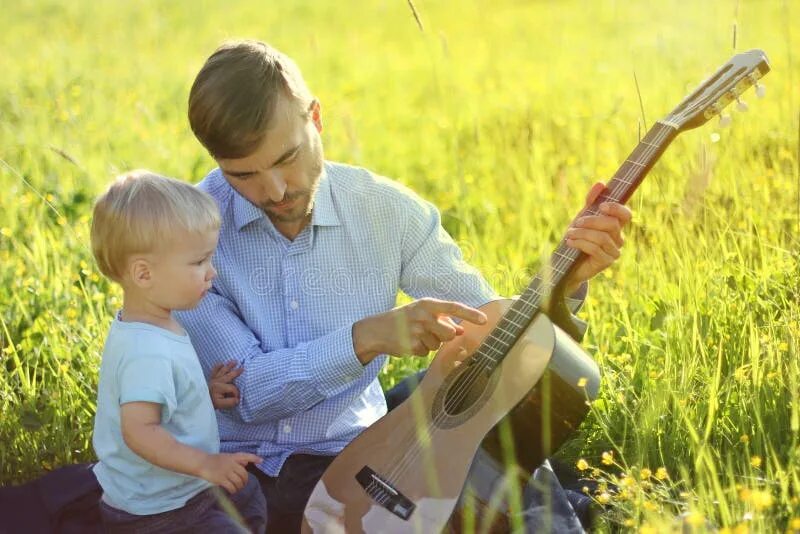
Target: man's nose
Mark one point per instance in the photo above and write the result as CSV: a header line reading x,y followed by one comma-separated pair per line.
x,y
275,186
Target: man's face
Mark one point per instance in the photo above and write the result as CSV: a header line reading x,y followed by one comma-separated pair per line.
x,y
282,175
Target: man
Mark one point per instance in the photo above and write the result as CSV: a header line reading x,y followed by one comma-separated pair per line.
x,y
310,259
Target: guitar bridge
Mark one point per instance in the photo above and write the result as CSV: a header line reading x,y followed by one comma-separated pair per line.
x,y
383,493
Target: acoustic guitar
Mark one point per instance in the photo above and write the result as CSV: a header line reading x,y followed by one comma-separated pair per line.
x,y
515,387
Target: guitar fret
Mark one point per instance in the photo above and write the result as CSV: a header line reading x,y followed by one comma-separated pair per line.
x,y
493,348
507,318
636,163
498,327
492,336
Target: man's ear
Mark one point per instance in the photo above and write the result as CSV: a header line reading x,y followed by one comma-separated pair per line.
x,y
140,273
315,111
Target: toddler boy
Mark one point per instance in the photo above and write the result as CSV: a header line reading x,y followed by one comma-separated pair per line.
x,y
155,431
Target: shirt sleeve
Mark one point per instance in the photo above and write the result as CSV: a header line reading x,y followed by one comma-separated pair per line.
x,y
433,266
276,384
148,378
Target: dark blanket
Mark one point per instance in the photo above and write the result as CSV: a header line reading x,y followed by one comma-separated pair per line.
x,y
63,501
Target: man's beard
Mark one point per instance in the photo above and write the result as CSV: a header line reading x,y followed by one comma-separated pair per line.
x,y
304,205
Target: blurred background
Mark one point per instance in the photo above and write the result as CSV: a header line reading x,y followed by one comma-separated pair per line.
x,y
503,114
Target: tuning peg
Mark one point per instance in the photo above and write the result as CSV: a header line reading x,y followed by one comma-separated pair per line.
x,y
725,120
761,91
741,105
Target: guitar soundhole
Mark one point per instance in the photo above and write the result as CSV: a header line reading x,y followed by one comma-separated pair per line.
x,y
463,393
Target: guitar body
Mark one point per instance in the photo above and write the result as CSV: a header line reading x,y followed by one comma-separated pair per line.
x,y
406,473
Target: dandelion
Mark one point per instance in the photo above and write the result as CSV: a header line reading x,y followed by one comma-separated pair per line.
x,y
582,465
608,458
755,461
661,473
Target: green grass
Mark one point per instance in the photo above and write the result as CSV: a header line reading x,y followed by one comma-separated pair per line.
x,y
501,113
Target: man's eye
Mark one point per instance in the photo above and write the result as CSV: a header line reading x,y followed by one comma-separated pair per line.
x,y
291,158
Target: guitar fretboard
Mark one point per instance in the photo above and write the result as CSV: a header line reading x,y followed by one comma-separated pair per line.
x,y
619,189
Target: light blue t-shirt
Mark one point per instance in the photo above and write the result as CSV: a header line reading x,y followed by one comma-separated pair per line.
x,y
142,362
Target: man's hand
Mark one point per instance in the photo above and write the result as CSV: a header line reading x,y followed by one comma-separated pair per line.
x,y
228,470
597,236
416,328
224,394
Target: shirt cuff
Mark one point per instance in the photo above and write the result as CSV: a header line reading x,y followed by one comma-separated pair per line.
x,y
333,361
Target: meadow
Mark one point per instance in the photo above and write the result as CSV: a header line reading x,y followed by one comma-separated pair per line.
x,y
503,114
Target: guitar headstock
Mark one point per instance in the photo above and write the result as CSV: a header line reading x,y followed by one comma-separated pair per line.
x,y
731,80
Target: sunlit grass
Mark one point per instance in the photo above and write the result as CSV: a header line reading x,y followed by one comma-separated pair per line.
x,y
503,115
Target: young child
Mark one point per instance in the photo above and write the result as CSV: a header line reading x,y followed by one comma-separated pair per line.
x,y
155,431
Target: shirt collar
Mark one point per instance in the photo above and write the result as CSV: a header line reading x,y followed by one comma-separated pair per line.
x,y
323,213
244,211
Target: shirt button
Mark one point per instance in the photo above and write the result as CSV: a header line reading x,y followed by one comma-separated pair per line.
x,y
294,304
287,428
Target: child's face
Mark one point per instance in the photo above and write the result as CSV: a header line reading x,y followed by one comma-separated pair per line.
x,y
182,273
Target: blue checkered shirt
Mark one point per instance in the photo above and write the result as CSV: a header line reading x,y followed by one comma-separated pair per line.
x,y
285,309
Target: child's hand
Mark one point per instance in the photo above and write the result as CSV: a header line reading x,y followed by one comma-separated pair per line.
x,y
228,470
224,394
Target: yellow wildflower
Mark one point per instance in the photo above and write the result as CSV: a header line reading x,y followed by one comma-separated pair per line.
x,y
608,458
582,465
695,519
755,461
604,498
761,499
744,439
582,382
645,473
661,473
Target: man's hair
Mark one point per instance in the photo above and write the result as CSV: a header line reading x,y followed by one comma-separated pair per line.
x,y
233,98
142,211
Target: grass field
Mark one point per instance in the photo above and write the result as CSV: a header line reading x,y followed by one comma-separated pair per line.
x,y
503,114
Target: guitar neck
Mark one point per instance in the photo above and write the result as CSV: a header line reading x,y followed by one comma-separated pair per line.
x,y
619,189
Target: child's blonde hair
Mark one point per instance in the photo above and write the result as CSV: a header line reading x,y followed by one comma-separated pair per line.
x,y
141,211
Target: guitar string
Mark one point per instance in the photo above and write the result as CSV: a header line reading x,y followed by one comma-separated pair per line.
x,y
462,390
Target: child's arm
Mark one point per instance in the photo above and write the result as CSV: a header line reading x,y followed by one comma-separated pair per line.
x,y
144,435
224,393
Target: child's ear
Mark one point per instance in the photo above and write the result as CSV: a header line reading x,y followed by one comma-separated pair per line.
x,y
140,273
